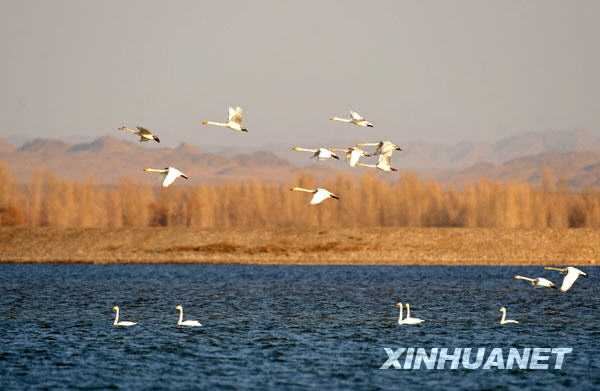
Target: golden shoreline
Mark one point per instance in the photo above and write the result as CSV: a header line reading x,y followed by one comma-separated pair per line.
x,y
354,246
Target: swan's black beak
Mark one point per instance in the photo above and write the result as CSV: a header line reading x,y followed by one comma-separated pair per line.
x,y
335,157
244,130
398,149
185,176
156,139
370,125
335,197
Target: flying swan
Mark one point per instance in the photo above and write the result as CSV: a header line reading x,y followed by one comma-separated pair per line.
x,y
383,147
355,119
539,282
319,196
503,320
234,121
318,153
409,319
168,174
384,164
181,322
122,323
145,134
572,273
353,154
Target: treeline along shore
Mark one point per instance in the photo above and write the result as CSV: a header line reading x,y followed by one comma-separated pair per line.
x,y
407,220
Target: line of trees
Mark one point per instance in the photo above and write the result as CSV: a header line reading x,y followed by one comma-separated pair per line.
x,y
365,202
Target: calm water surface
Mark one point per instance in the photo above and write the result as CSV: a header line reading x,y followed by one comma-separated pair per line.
x,y
282,327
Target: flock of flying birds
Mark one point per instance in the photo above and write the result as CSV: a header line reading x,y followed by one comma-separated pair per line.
x,y
383,151
353,154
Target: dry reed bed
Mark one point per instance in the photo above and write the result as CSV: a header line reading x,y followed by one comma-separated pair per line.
x,y
448,246
370,201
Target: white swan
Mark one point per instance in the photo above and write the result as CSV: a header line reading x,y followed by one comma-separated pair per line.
x,y
318,153
503,320
355,119
384,163
409,319
145,134
539,282
353,154
383,147
181,322
319,196
122,323
169,174
572,273
234,121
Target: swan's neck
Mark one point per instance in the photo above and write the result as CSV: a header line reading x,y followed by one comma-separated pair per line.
x,y
157,170
217,123
180,317
348,120
116,317
400,315
503,317
407,310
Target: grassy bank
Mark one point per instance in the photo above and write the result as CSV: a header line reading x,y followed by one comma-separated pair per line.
x,y
431,246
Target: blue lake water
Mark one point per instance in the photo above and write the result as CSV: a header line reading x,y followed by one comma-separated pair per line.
x,y
283,327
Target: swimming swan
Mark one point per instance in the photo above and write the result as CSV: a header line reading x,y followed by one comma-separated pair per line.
x,y
122,323
145,134
355,119
181,322
503,320
408,320
319,196
318,153
234,120
572,273
538,282
168,174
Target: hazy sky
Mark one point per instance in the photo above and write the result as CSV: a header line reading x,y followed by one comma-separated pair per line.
x,y
420,70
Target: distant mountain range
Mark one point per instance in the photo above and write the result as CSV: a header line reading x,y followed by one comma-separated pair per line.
x,y
107,159
578,169
573,156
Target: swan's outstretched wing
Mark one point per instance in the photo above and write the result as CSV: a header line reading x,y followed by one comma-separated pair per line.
x,y
385,160
568,281
355,116
235,115
319,197
143,130
386,148
170,177
353,157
